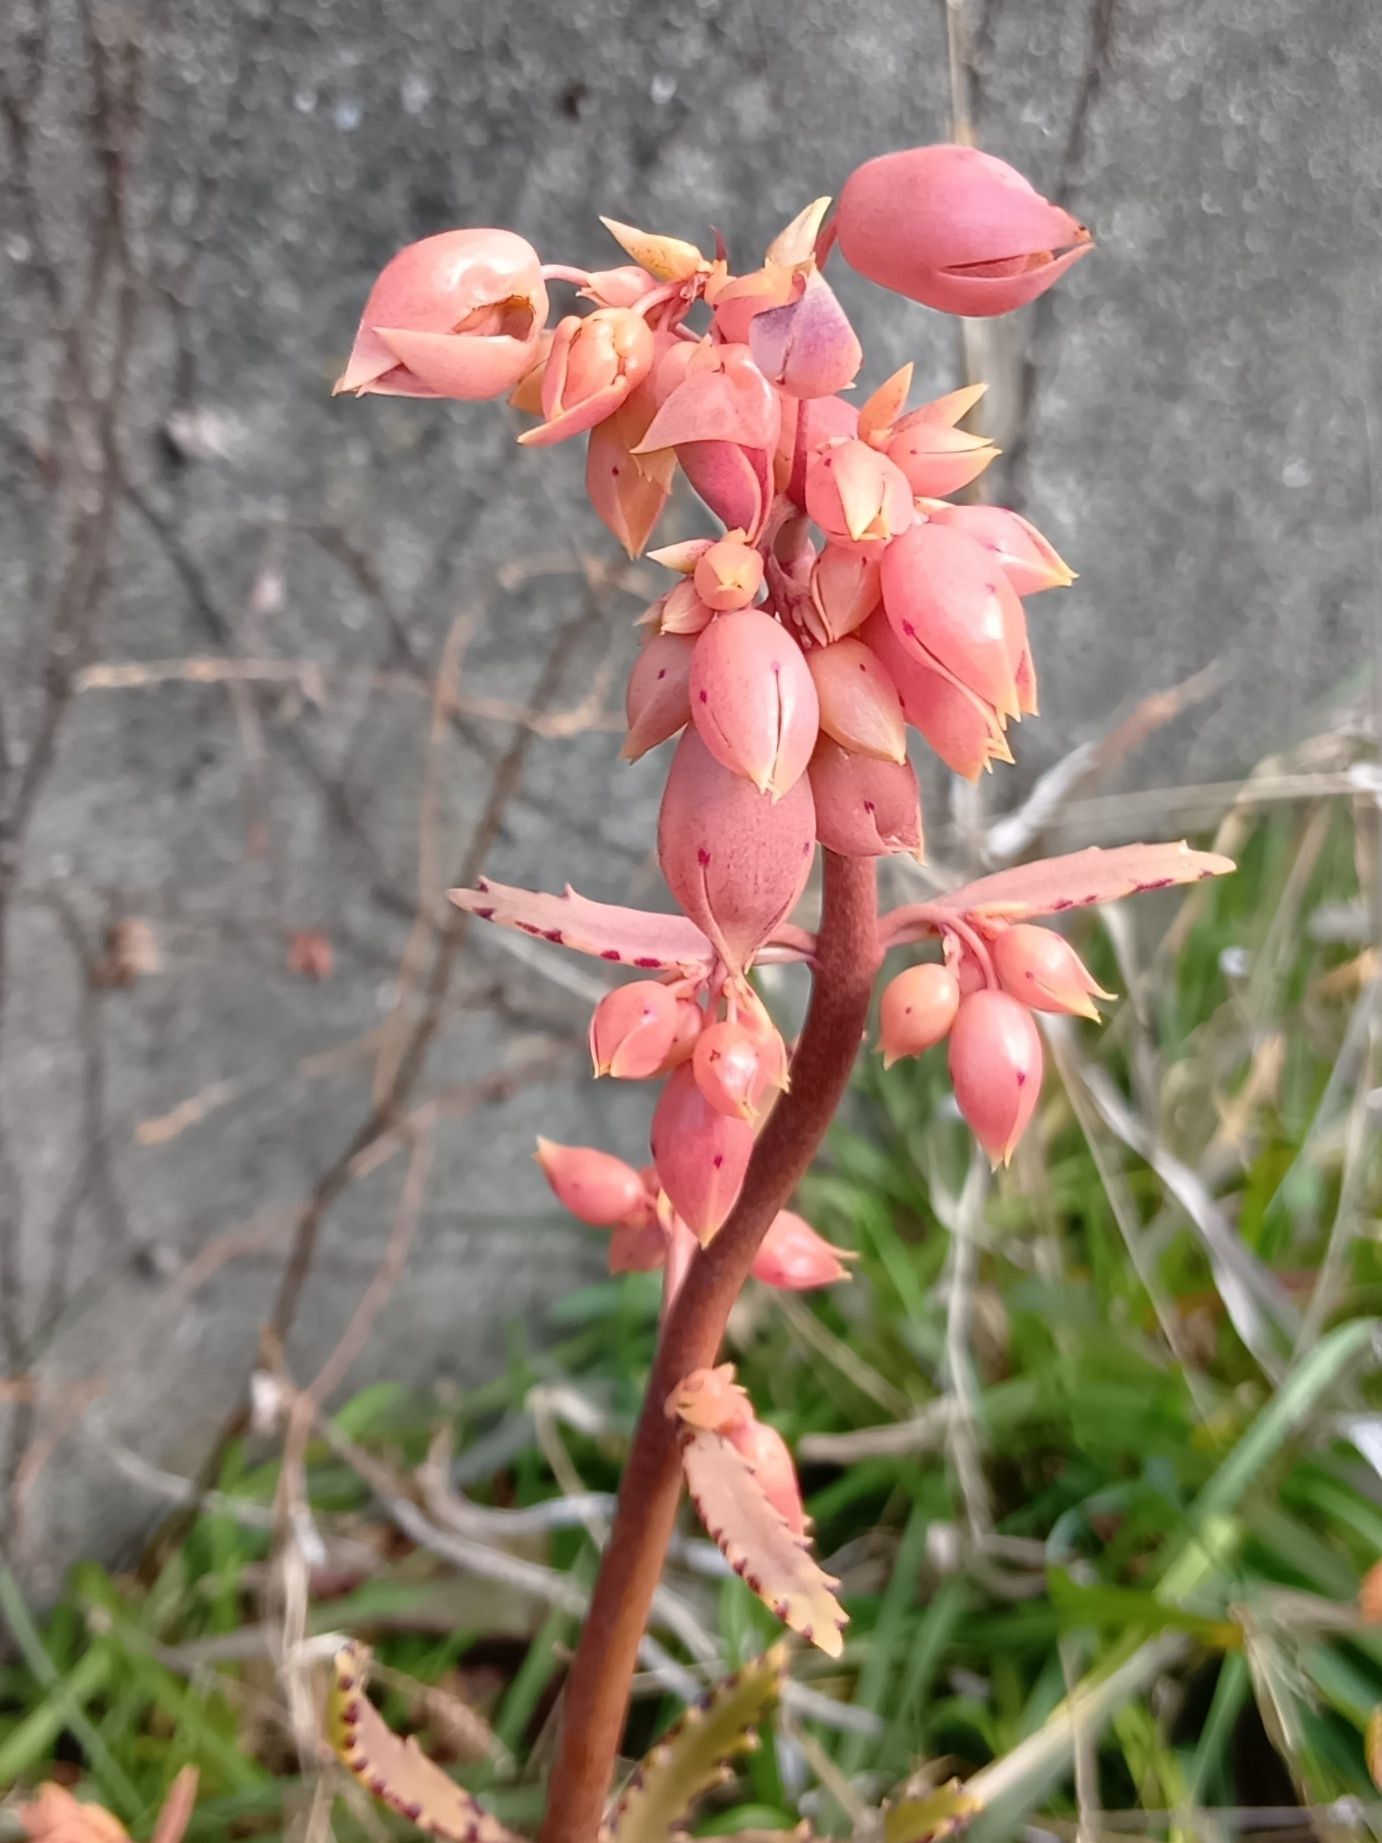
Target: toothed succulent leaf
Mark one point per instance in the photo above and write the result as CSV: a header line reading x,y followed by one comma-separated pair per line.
x,y
630,937
756,1541
687,1762
397,1771
947,1811
1081,878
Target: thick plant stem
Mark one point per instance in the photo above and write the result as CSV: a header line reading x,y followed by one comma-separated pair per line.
x,y
597,1689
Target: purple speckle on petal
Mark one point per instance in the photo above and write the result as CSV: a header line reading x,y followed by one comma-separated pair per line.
x,y
718,1160
552,934
702,856
483,914
610,953
648,961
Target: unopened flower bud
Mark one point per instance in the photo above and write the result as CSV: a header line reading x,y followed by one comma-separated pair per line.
x,y
917,1009
1041,968
632,1031
753,700
658,701
795,1259
995,1067
594,364
595,1186
807,346
1030,562
950,604
701,1155
860,708
846,587
865,807
858,497
730,1071
729,574
937,457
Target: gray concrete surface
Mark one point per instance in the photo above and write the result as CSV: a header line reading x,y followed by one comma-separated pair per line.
x,y
194,202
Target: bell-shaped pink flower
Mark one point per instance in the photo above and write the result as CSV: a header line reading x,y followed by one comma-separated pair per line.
x,y
456,315
846,587
964,730
730,1070
595,1186
807,346
865,808
955,229
950,604
735,862
795,1259
860,708
937,457
753,700
995,1068
1029,561
1041,968
632,1031
701,1154
728,573
594,364
858,497
917,1009
658,701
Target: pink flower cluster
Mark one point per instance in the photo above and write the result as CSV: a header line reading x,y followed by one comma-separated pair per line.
x,y
846,600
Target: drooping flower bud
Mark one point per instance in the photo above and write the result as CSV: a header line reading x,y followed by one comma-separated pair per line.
x,y
658,702
632,1031
964,731
995,1067
955,229
864,807
735,862
1030,561
456,315
730,1070
595,1186
859,705
701,1155
1041,968
594,364
753,700
728,574
858,497
807,346
916,1010
937,457
795,1259
846,587
950,605
628,490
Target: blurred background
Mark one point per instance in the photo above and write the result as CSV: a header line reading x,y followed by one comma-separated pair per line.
x,y
275,671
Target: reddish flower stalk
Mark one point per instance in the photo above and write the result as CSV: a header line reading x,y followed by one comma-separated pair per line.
x,y
597,1688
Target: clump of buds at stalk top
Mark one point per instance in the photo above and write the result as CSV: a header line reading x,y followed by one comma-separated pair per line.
x,y
995,1069
865,808
729,573
950,605
595,1186
1029,561
860,708
846,587
936,456
955,229
964,730
753,700
731,1071
807,346
658,701
735,861
594,364
456,315
1041,968
795,1259
701,1154
633,1029
917,1009
858,497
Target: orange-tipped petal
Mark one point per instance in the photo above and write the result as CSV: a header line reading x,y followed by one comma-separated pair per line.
x,y
729,574
937,459
995,1067
1029,561
857,496
753,700
668,259
595,1186
793,1258
658,701
886,404
701,1155
864,807
859,705
917,1009
735,861
1041,968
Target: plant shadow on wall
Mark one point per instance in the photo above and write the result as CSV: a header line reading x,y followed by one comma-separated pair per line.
x,y
849,599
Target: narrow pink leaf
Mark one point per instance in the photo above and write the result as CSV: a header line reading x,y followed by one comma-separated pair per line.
x,y
628,937
1081,878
